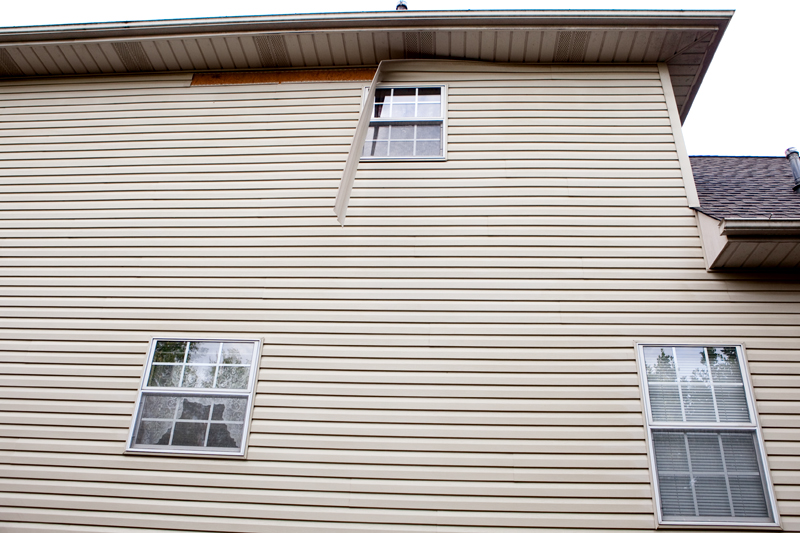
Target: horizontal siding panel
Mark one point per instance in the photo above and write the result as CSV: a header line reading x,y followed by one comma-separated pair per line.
x,y
446,503
365,486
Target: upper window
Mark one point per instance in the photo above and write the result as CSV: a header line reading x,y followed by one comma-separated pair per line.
x,y
705,439
406,123
196,397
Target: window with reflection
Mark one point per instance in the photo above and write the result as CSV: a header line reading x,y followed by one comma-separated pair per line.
x,y
196,397
705,438
406,123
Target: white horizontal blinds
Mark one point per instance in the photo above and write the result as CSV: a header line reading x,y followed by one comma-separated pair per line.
x,y
214,414
406,122
708,469
695,384
709,474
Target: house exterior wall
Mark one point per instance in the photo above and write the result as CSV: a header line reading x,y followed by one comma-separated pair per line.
x,y
459,357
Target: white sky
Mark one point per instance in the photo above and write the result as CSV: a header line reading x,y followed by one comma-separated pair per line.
x,y
747,103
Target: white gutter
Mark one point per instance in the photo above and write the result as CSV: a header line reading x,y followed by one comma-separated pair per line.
x,y
760,226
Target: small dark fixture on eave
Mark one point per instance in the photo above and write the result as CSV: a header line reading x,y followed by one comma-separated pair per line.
x,y
794,159
401,6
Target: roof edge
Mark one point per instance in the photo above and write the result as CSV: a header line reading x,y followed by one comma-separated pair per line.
x,y
266,23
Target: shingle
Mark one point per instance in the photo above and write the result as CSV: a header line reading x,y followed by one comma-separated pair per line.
x,y
745,187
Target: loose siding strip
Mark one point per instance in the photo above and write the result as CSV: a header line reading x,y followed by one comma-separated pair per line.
x,y
458,358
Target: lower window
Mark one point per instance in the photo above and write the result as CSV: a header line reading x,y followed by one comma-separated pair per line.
x,y
705,439
196,397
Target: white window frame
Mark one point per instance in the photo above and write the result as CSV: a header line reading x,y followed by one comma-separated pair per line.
x,y
198,392
369,107
753,427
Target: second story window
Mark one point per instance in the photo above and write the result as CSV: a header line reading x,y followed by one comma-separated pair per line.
x,y
406,123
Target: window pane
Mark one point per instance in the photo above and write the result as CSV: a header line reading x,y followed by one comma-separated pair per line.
x,y
698,403
665,402
169,352
403,110
233,377
381,97
429,110
428,149
404,96
660,365
402,132
712,496
691,364
165,376
429,132
189,434
740,453
157,406
747,493
430,94
677,498
237,353
376,149
154,432
705,451
378,133
724,363
194,408
732,403
199,376
401,148
229,409
202,352
671,452
225,435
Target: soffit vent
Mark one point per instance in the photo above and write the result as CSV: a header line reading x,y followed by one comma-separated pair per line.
x,y
8,67
133,57
571,46
272,51
418,44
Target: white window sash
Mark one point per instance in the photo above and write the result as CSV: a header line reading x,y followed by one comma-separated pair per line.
x,y
752,427
248,393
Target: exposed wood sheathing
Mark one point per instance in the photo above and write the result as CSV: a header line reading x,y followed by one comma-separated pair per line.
x,y
283,76
457,359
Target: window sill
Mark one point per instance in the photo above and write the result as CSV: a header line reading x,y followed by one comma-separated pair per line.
x,y
763,526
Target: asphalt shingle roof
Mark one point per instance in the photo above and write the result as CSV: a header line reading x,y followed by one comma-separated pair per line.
x,y
745,187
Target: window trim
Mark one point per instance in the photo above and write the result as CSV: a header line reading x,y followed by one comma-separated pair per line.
x,y
250,392
415,120
754,427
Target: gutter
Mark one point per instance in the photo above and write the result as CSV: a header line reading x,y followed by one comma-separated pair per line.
x,y
788,227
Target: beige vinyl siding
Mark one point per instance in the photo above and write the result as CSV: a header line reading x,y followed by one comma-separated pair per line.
x,y
458,358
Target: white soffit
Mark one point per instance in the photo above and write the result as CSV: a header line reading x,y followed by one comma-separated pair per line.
x,y
685,40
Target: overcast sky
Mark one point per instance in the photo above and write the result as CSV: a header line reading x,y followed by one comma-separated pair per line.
x,y
747,103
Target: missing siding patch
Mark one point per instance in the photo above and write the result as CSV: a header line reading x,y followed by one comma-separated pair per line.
x,y
272,50
418,44
284,76
571,46
8,67
133,57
